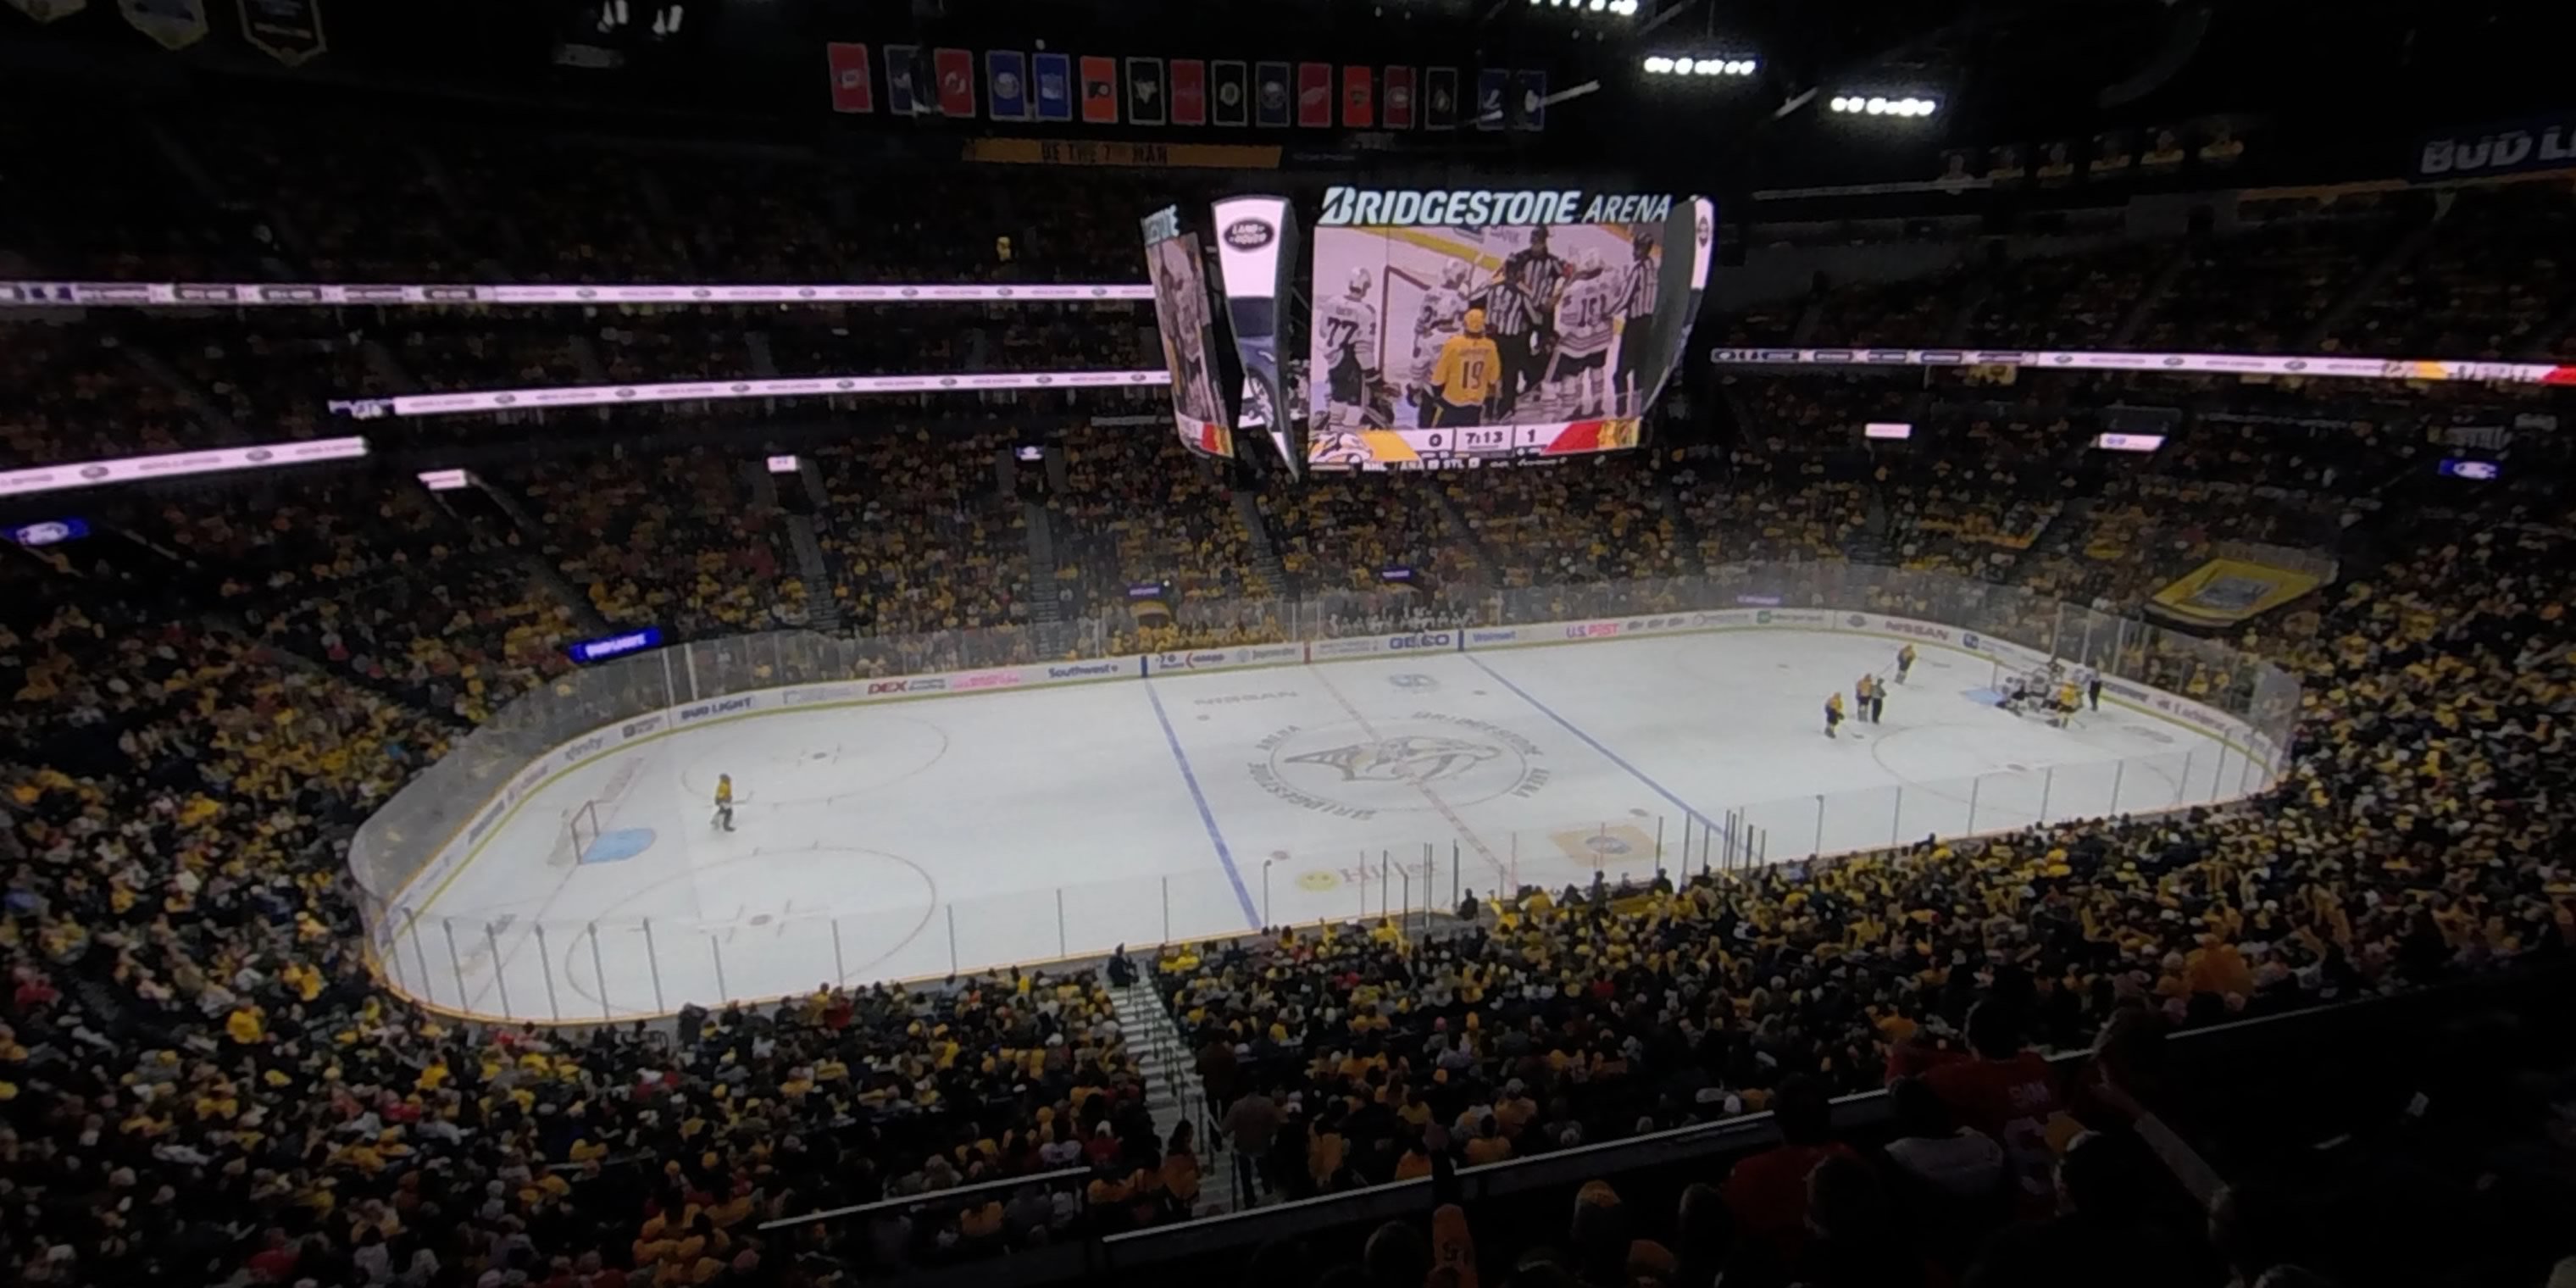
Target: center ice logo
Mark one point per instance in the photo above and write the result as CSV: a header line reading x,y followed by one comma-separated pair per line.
x,y
1402,759
1426,761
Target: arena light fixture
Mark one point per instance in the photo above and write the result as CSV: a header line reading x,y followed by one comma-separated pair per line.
x,y
1693,65
1906,105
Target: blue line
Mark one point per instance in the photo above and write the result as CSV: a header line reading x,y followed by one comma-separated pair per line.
x,y
1594,743
1225,855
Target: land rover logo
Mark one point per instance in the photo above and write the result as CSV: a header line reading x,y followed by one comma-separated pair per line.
x,y
1046,380
2173,360
625,393
910,292
259,454
1002,293
586,293
741,388
505,399
1249,234
805,292
847,384
701,292
947,380
1420,763
93,471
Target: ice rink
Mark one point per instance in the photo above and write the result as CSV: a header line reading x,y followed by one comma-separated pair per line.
x,y
910,838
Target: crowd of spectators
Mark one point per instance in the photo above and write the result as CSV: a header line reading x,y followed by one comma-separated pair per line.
x,y
200,1080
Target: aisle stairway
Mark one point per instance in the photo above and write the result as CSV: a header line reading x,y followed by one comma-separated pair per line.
x,y
1266,568
1172,1090
1046,607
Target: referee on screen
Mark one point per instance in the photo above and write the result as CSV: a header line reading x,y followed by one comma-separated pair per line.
x,y
1519,305
1638,308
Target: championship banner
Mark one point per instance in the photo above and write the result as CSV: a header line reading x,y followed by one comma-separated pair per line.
x,y
1006,87
955,69
1440,108
902,94
48,10
1270,95
1256,247
1468,327
853,90
1233,93
172,24
1099,90
1144,91
289,31
1315,95
1182,320
1154,156
1055,87
1399,98
1359,110
1189,91
2510,147
1490,90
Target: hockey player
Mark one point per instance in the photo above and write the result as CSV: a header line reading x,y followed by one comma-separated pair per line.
x,y
1585,315
724,802
1346,343
1464,377
1904,662
1861,692
1442,315
1833,713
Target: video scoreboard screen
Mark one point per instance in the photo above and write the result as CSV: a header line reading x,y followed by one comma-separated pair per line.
x,y
1461,328
1181,317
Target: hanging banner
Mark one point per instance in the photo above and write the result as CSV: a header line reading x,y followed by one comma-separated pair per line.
x,y
903,95
1055,87
1315,95
1006,90
1144,91
1491,88
1189,91
289,31
1256,249
172,24
1440,106
853,89
1233,94
1182,319
955,69
1399,98
1529,100
1359,111
1099,90
1270,95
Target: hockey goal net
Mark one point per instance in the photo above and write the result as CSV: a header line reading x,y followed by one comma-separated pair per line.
x,y
584,831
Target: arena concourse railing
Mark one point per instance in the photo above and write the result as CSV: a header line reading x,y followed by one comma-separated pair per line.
x,y
2233,713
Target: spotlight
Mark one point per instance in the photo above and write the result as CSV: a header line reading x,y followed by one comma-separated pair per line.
x,y
1659,64
1876,106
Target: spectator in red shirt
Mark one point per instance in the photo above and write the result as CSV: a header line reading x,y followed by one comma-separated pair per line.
x,y
1768,1192
2008,1093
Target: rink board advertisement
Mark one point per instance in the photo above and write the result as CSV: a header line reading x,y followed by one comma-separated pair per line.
x,y
1181,318
1456,328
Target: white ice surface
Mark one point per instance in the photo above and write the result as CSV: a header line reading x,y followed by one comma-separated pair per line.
x,y
905,839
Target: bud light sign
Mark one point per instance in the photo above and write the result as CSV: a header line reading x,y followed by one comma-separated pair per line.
x,y
608,646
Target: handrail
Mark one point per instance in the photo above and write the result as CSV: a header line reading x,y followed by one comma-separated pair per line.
x,y
926,1196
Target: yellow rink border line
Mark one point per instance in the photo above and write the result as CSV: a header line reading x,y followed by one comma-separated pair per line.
x,y
410,923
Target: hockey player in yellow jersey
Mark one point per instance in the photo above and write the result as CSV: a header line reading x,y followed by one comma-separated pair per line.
x,y
1833,712
1904,662
1464,376
724,801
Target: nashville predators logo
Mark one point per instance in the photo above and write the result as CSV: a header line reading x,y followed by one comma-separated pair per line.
x,y
1407,759
1426,761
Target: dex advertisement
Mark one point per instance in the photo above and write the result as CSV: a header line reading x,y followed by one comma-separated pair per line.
x,y
1455,328
1181,317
